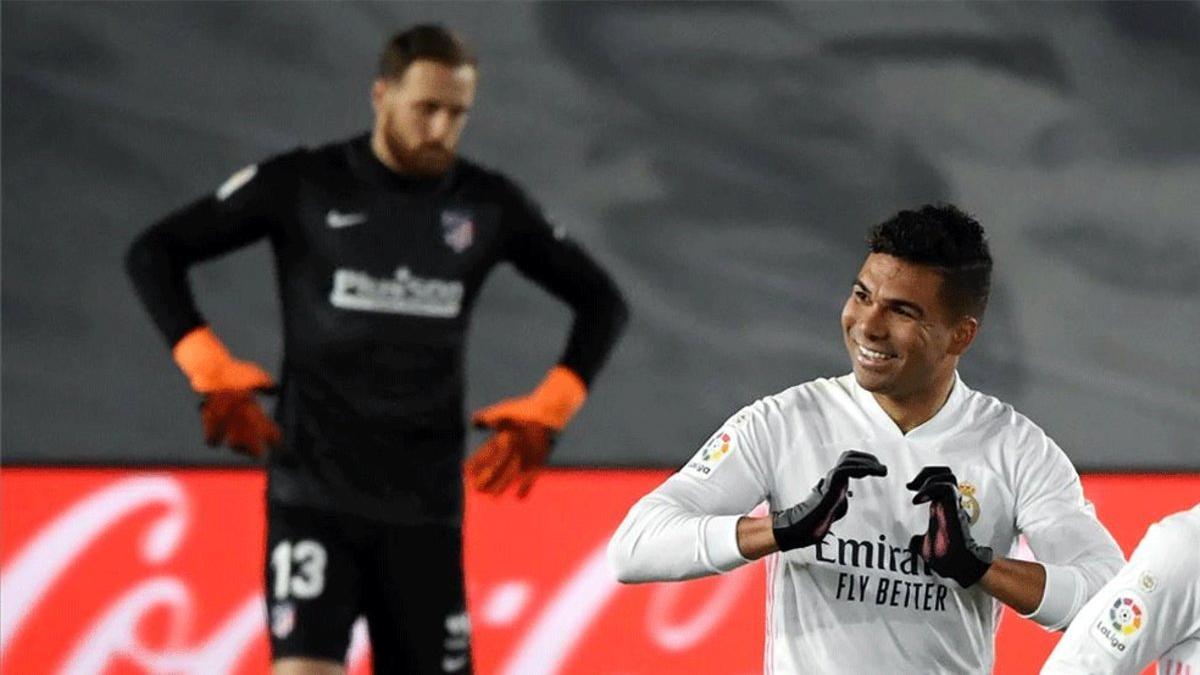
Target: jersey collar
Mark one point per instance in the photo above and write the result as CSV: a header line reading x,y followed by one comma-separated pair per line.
x,y
364,162
944,419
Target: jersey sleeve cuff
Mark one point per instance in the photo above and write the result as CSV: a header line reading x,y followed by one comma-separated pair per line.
x,y
1060,598
720,543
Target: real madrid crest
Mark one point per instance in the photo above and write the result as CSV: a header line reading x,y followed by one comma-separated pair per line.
x,y
1147,582
967,501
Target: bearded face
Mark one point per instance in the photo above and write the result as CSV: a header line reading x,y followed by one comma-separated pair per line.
x,y
420,117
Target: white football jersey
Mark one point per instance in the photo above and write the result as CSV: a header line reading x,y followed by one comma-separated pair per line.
x,y
1150,610
859,602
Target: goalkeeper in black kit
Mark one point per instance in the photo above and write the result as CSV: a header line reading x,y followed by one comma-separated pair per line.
x,y
381,244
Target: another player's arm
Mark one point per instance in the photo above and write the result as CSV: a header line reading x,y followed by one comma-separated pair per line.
x,y
241,212
525,426
1160,581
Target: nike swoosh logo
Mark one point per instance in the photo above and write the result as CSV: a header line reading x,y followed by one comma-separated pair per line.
x,y
335,220
449,665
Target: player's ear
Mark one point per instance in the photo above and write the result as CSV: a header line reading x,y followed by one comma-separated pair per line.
x,y
378,91
963,335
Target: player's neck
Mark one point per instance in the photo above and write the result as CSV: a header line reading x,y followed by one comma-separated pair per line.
x,y
913,410
384,154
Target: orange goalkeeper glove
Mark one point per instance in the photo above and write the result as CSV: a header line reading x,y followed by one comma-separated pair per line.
x,y
525,428
512,455
210,367
235,419
230,412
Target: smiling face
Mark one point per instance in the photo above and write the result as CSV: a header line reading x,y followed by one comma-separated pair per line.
x,y
904,341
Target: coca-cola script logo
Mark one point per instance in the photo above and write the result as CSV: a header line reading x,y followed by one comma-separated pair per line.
x,y
113,572
99,582
123,572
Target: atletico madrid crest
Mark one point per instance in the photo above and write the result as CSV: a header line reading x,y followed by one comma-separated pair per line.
x,y
458,229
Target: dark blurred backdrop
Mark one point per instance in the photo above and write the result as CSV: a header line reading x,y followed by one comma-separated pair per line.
x,y
723,160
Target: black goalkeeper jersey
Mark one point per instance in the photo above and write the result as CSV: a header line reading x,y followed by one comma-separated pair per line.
x,y
377,273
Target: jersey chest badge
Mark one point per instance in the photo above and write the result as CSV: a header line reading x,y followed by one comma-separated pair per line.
x,y
458,229
968,501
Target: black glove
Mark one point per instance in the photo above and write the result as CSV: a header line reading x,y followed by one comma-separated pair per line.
x,y
947,546
809,521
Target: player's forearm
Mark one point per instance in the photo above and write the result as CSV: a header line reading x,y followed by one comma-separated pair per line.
x,y
1016,583
755,537
1069,585
159,275
600,318
661,541
565,269
1079,556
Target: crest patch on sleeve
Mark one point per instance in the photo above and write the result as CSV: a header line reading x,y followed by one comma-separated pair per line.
x,y
1120,622
236,181
711,455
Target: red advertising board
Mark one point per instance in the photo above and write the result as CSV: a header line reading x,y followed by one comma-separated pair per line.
x,y
112,571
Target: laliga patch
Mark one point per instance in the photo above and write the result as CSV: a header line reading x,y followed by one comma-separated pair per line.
x,y
1120,623
236,181
711,455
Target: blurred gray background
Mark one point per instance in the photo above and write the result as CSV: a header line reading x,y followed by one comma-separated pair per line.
x,y
723,160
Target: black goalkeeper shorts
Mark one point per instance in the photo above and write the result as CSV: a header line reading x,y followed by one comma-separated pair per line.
x,y
326,569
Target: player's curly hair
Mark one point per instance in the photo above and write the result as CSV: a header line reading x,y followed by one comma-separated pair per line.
x,y
425,41
944,237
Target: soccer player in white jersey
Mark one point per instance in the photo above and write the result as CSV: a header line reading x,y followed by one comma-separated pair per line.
x,y
930,484
1150,610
